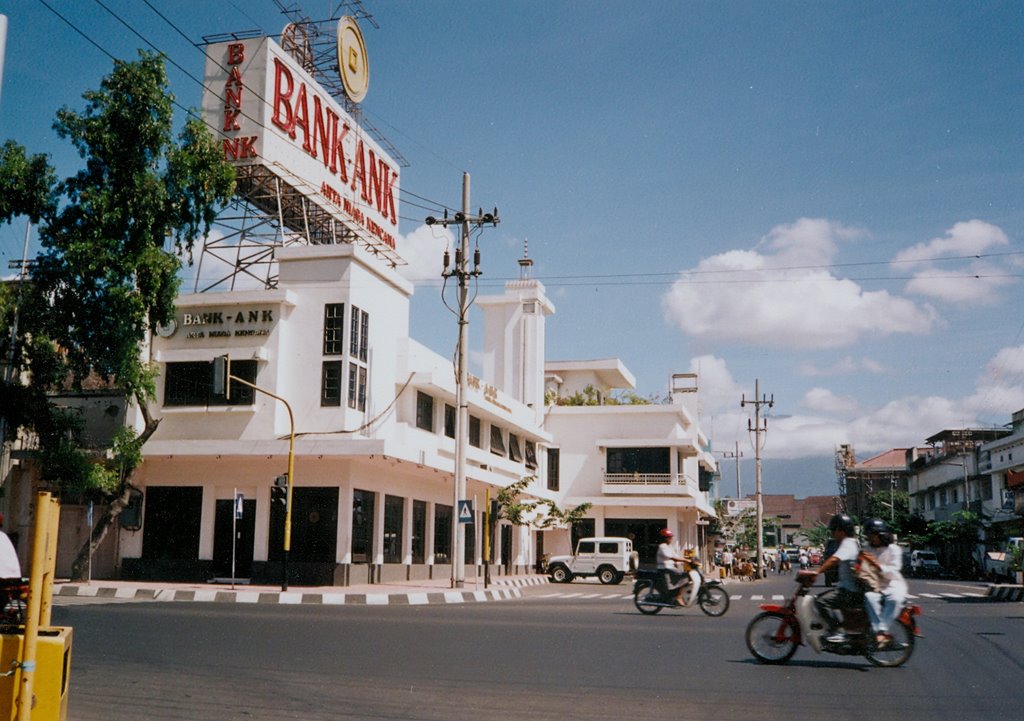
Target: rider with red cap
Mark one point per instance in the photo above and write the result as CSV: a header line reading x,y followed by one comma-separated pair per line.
x,y
672,579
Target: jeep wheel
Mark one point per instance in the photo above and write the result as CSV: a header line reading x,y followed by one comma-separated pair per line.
x,y
561,574
608,575
634,561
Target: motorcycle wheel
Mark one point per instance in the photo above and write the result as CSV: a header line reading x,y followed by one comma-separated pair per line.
x,y
714,601
772,637
643,597
898,650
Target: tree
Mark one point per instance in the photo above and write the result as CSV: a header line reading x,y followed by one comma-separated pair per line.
x,y
893,507
112,237
518,510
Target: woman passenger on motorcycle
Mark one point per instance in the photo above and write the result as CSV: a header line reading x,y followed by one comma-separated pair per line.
x,y
671,579
846,595
887,557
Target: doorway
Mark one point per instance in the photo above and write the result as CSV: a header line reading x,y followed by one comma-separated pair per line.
x,y
245,538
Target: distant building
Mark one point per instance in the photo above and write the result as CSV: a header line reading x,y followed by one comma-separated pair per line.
x,y
884,473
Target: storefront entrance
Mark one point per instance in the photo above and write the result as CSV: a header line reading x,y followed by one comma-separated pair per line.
x,y
245,538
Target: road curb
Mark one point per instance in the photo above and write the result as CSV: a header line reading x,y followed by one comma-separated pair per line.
x,y
313,598
1005,592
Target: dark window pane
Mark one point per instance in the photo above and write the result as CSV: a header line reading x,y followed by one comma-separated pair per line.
x,y
497,441
330,384
514,452
334,328
449,420
394,513
553,469
362,526
419,530
424,411
531,455
442,534
191,384
474,432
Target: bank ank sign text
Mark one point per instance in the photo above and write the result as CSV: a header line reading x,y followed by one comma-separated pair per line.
x,y
225,324
267,110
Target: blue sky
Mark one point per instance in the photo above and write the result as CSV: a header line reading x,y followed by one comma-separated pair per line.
x,y
826,196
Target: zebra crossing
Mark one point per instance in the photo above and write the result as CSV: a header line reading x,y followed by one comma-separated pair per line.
x,y
752,597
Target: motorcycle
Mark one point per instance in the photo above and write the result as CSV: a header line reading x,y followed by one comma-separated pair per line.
x,y
708,594
774,634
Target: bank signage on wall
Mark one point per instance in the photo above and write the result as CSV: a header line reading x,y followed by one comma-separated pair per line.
x,y
265,109
223,323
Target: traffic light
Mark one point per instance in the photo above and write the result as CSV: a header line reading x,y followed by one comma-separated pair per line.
x,y
222,376
279,492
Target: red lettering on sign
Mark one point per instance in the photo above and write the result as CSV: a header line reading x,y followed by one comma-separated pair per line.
x,y
283,84
236,53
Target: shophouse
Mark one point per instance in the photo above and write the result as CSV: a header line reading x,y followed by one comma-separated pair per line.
x,y
643,467
948,477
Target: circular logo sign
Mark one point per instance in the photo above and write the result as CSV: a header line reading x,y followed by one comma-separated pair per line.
x,y
353,65
166,330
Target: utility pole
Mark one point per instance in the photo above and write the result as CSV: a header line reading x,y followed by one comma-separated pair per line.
x,y
461,271
737,455
757,429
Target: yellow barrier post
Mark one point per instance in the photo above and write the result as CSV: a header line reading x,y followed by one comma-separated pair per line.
x,y
40,545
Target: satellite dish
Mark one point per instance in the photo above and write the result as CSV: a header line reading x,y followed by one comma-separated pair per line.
x,y
353,65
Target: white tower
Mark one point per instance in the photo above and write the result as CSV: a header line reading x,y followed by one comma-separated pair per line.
x,y
513,339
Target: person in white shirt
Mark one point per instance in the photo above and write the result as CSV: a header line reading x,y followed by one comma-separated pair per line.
x,y
887,557
10,567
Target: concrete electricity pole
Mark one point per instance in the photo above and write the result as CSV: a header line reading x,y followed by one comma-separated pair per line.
x,y
757,430
461,271
737,454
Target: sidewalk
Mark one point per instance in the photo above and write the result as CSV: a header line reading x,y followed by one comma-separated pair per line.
x,y
405,594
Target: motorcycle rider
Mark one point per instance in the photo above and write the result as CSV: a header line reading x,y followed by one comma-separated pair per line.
x,y
887,557
846,594
670,579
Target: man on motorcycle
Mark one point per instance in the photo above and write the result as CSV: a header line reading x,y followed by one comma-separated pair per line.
x,y
846,594
671,579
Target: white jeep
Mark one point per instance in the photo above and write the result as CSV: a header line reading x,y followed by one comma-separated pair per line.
x,y
609,558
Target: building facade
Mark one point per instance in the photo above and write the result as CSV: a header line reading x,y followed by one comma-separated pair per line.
x,y
373,440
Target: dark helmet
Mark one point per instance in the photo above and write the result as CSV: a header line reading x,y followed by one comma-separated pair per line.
x,y
841,522
665,533
876,525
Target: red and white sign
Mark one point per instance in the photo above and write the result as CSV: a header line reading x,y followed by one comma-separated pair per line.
x,y
265,109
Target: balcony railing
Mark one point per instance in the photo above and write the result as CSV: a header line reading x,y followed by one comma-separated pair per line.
x,y
646,483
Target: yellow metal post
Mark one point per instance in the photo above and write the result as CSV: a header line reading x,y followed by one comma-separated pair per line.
x,y
49,563
39,578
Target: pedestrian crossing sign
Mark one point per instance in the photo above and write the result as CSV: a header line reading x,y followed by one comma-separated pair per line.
x,y
466,512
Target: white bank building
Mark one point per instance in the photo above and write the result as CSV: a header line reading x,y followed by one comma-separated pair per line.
x,y
373,435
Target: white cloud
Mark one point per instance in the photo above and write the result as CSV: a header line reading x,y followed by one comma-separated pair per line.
x,y
423,250
970,237
847,365
898,423
783,298
972,280
824,400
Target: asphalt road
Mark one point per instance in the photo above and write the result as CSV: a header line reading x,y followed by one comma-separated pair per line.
x,y
561,652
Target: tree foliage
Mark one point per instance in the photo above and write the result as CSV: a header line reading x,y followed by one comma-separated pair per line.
x,y
112,237
539,512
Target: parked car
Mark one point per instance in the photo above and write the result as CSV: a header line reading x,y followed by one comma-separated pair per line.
x,y
925,563
609,558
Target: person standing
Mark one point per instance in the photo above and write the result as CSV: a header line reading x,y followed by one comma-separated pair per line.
x,y
887,557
